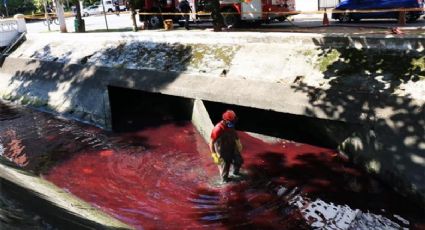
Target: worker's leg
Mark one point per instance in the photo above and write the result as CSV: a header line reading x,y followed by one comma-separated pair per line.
x,y
224,170
237,163
186,22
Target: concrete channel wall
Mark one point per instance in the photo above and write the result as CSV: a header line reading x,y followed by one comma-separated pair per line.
x,y
11,28
54,202
356,80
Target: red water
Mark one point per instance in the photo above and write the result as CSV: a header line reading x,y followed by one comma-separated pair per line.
x,y
163,177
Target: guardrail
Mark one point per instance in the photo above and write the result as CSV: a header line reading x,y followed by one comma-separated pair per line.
x,y
11,28
293,12
202,13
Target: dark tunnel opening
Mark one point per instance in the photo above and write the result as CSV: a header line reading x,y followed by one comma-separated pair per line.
x,y
319,132
133,110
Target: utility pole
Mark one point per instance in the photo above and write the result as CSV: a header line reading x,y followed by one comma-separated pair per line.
x,y
133,15
46,15
5,7
104,14
61,16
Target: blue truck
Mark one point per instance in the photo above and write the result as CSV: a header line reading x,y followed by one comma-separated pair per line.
x,y
411,16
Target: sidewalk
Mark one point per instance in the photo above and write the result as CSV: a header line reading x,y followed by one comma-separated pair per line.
x,y
306,23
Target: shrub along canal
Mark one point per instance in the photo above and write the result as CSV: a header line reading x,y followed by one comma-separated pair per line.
x,y
162,176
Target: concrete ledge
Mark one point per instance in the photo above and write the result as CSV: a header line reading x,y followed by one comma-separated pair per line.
x,y
320,62
81,90
56,202
291,39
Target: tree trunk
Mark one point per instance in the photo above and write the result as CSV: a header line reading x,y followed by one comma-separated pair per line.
x,y
79,22
61,16
78,9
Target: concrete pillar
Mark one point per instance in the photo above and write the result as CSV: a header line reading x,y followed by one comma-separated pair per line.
x,y
201,120
20,19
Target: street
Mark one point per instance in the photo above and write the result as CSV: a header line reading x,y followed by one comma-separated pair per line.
x,y
299,23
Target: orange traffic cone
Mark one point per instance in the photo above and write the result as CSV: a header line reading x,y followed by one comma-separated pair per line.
x,y
325,19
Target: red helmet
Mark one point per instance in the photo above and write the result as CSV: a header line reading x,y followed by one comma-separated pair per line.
x,y
229,115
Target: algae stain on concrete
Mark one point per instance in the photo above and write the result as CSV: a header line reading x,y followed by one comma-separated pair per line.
x,y
328,59
418,64
202,54
225,54
308,53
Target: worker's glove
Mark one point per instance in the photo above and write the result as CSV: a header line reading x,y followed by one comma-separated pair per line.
x,y
216,158
239,146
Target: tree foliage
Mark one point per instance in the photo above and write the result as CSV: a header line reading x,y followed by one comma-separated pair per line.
x,y
18,6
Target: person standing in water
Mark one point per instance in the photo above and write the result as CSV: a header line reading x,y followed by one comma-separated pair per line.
x,y
225,146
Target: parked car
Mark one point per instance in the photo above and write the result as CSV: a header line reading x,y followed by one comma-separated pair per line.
x,y
411,16
92,10
110,7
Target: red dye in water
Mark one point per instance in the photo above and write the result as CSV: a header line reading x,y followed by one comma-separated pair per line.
x,y
163,177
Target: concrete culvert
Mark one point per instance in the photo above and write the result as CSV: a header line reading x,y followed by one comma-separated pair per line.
x,y
320,132
134,109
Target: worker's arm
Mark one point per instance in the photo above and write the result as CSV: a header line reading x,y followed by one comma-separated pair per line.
x,y
212,147
216,132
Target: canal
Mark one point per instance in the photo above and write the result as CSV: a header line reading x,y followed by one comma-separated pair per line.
x,y
160,176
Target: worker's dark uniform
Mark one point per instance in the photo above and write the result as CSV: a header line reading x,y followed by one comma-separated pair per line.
x,y
225,145
117,7
184,7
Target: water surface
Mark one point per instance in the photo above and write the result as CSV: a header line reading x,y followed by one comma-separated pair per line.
x,y
162,177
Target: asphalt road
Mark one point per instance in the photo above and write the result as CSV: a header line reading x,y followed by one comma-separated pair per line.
x,y
300,23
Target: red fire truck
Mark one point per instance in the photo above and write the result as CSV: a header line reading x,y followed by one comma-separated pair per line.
x,y
234,11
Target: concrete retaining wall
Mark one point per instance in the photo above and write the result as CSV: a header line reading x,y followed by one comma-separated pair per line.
x,y
55,202
355,86
10,29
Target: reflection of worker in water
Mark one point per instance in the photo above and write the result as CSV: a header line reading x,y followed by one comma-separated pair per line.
x,y
225,145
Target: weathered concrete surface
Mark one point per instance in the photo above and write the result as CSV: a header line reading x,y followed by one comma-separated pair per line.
x,y
291,39
81,90
71,207
380,91
313,60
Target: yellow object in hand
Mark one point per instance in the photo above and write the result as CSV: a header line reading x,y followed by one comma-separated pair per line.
x,y
216,158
